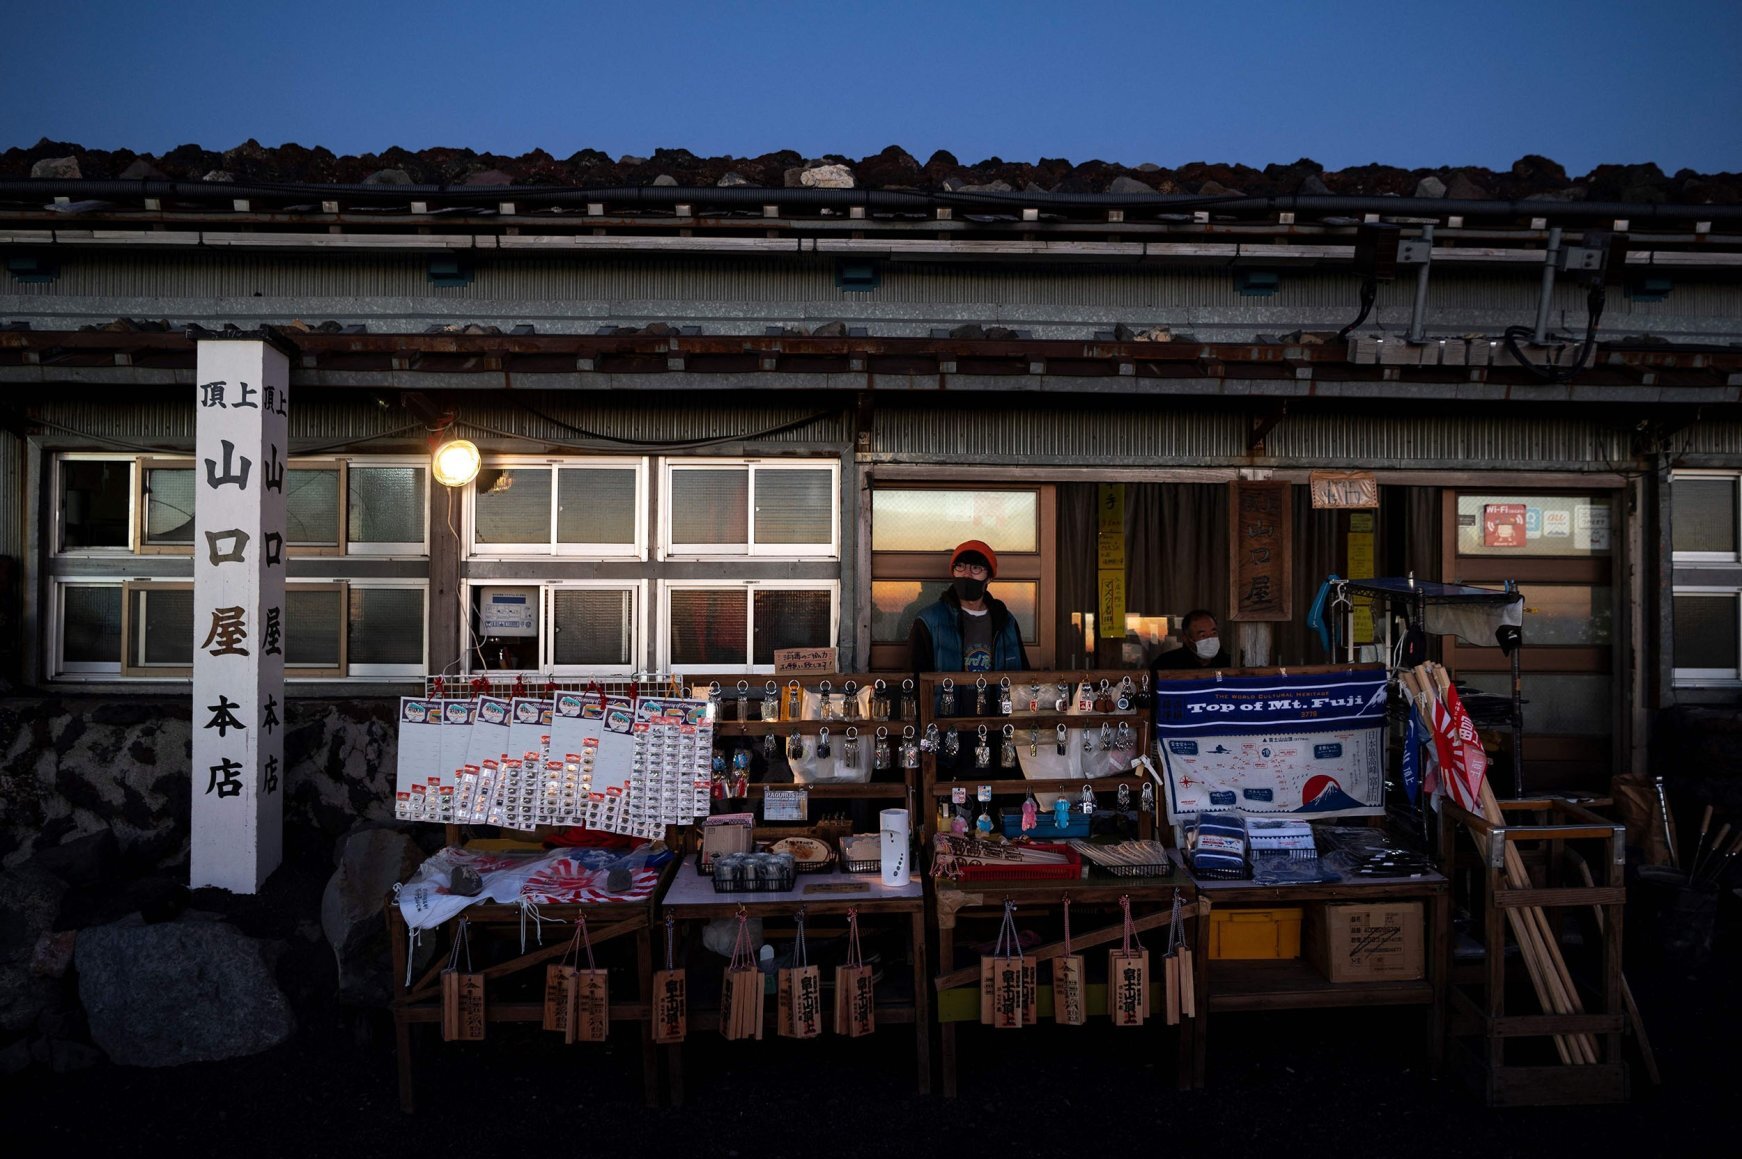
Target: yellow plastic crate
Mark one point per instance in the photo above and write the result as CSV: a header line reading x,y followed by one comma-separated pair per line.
x,y
1255,933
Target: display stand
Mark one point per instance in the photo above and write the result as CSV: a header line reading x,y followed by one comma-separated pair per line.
x,y
1294,984
1096,924
609,925
1009,787
691,901
1490,1038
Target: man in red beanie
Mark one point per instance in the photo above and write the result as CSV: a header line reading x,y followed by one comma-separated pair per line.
x,y
967,630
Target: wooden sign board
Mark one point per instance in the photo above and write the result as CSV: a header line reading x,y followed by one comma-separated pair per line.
x,y
670,1007
797,660
1344,489
1260,551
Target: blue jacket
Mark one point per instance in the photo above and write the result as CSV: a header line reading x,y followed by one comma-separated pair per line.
x,y
936,639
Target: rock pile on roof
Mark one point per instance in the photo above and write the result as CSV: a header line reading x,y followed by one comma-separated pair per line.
x,y
893,168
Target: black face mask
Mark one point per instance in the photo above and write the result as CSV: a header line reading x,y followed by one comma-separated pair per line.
x,y
969,590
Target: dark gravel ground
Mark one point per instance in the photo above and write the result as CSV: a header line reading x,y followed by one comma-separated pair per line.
x,y
1335,1083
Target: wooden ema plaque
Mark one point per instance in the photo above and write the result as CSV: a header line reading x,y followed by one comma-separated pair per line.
x,y
1128,986
670,1007
1070,1005
462,1006
741,1004
799,991
855,1001
558,982
589,1007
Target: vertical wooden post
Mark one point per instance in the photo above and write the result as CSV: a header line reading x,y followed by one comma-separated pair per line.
x,y
240,620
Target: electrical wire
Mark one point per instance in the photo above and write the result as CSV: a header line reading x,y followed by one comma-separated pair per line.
x,y
181,445
1369,292
1594,302
604,443
554,421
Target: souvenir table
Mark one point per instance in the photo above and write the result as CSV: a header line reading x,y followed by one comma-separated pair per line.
x,y
614,925
1097,927
691,902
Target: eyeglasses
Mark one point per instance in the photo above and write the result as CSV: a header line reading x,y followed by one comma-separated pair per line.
x,y
971,570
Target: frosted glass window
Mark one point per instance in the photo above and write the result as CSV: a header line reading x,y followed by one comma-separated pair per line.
x,y
169,505
592,626
895,603
596,505
795,506
708,626
791,619
162,627
386,626
313,621
386,504
513,505
710,505
1706,633
311,507
91,624
1535,525
1704,514
928,520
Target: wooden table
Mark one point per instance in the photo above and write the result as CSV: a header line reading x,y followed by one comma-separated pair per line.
x,y
1151,903
421,1002
1294,984
691,901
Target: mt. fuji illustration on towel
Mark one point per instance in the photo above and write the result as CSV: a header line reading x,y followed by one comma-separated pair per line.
x,y
1322,794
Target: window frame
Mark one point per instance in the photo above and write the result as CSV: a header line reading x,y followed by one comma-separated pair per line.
x,y
1720,574
57,512
1709,677
1709,558
81,670
546,648
414,671
750,587
138,671
669,549
636,550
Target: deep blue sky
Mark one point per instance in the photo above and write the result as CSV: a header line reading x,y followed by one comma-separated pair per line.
x,y
1346,83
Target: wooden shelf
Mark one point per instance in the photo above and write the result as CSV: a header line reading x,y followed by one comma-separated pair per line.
x,y
878,790
1293,984
941,790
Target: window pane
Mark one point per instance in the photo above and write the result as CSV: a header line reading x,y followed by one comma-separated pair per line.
x,y
794,506
169,505
386,626
94,504
894,604
708,627
791,619
1564,614
312,623
385,504
1534,525
595,506
91,627
1704,514
163,626
904,520
1554,705
710,505
593,626
1705,632
513,505
311,506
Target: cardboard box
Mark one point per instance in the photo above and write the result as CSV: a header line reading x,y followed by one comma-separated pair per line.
x,y
1361,942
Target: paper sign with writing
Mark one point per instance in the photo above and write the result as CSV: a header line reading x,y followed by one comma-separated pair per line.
x,y
806,660
1260,543
785,804
1344,489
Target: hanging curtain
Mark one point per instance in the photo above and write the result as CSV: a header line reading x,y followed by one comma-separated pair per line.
x,y
1077,527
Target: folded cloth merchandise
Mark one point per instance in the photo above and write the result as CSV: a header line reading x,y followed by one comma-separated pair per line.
x,y
532,877
1218,846
1285,836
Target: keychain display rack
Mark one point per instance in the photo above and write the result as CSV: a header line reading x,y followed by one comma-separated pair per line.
x,y
1035,721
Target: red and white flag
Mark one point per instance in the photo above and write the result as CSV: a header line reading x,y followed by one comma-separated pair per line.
x,y
1463,762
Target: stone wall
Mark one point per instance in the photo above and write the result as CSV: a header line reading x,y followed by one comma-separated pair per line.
x,y
74,765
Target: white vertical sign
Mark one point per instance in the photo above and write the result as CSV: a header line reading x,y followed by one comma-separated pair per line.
x,y
240,620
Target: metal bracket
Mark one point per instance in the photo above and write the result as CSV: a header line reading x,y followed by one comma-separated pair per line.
x,y
1497,849
1261,425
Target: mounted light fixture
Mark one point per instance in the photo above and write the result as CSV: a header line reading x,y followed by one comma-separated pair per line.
x,y
455,462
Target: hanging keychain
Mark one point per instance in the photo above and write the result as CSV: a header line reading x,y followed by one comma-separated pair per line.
x,y
770,745
1104,697
1061,813
850,748
1034,742
982,750
822,744
983,823
879,701
1030,812
795,746
1034,697
1106,737
794,700
1088,800
1007,750
743,705
1124,798
825,701
909,705
1123,703
713,700
850,702
929,743
1124,740
980,696
909,748
1063,702
1088,742
880,749
1148,798
771,701
1144,696
946,699
1064,741
952,745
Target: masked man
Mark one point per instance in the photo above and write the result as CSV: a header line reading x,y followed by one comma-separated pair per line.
x,y
967,630
1203,644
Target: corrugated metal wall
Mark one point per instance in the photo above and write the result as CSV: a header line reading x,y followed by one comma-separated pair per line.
x,y
11,494
359,278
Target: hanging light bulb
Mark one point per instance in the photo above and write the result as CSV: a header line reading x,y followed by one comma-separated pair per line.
x,y
455,463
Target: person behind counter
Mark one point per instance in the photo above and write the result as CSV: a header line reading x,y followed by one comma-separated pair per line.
x,y
1202,645
967,630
